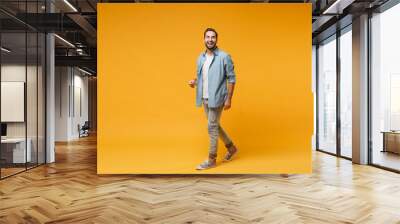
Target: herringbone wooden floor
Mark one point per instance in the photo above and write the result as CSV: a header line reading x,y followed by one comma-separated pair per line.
x,y
69,191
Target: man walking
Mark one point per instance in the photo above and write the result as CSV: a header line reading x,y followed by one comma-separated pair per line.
x,y
215,84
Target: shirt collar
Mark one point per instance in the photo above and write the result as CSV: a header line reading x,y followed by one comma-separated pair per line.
x,y
215,52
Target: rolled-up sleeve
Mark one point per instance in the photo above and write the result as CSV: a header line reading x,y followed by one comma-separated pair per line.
x,y
229,69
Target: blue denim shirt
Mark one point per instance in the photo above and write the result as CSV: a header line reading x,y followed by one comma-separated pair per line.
x,y
220,72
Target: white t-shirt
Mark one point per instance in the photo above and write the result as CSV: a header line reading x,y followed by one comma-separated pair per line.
x,y
205,68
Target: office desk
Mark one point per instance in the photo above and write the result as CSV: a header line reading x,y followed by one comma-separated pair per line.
x,y
391,141
13,150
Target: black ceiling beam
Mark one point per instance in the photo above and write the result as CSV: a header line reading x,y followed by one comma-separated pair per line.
x,y
51,22
11,25
88,51
44,22
82,61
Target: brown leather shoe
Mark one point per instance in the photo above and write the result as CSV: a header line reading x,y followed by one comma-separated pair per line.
x,y
232,150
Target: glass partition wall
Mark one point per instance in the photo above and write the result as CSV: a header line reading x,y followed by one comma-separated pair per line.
x,y
334,93
22,88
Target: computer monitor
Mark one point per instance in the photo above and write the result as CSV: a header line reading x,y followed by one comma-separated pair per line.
x,y
3,129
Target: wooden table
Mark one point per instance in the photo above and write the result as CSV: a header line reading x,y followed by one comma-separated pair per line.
x,y
391,141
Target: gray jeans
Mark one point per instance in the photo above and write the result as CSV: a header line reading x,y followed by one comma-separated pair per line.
x,y
214,128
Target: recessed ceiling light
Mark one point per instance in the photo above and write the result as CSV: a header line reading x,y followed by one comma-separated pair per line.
x,y
70,5
64,40
337,7
5,50
84,71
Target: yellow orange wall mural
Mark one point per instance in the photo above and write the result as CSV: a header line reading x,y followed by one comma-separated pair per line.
x,y
147,119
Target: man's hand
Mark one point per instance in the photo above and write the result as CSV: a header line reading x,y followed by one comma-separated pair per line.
x,y
227,104
192,83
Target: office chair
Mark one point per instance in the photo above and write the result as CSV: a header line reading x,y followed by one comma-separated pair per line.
x,y
84,130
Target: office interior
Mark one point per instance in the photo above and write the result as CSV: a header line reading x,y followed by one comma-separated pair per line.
x,y
48,80
334,62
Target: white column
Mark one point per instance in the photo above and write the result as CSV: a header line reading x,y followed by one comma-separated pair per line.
x,y
50,100
50,92
360,90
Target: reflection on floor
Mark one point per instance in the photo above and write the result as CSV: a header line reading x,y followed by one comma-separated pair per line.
x,y
13,169
387,159
10,171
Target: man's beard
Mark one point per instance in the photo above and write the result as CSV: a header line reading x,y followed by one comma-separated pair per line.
x,y
212,48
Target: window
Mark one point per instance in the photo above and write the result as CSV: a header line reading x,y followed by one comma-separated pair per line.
x,y
385,88
346,92
327,95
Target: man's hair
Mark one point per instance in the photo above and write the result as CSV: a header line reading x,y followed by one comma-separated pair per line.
x,y
211,29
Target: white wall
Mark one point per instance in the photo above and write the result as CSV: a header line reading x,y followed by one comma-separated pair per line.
x,y
9,73
62,81
81,84
71,92
12,73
